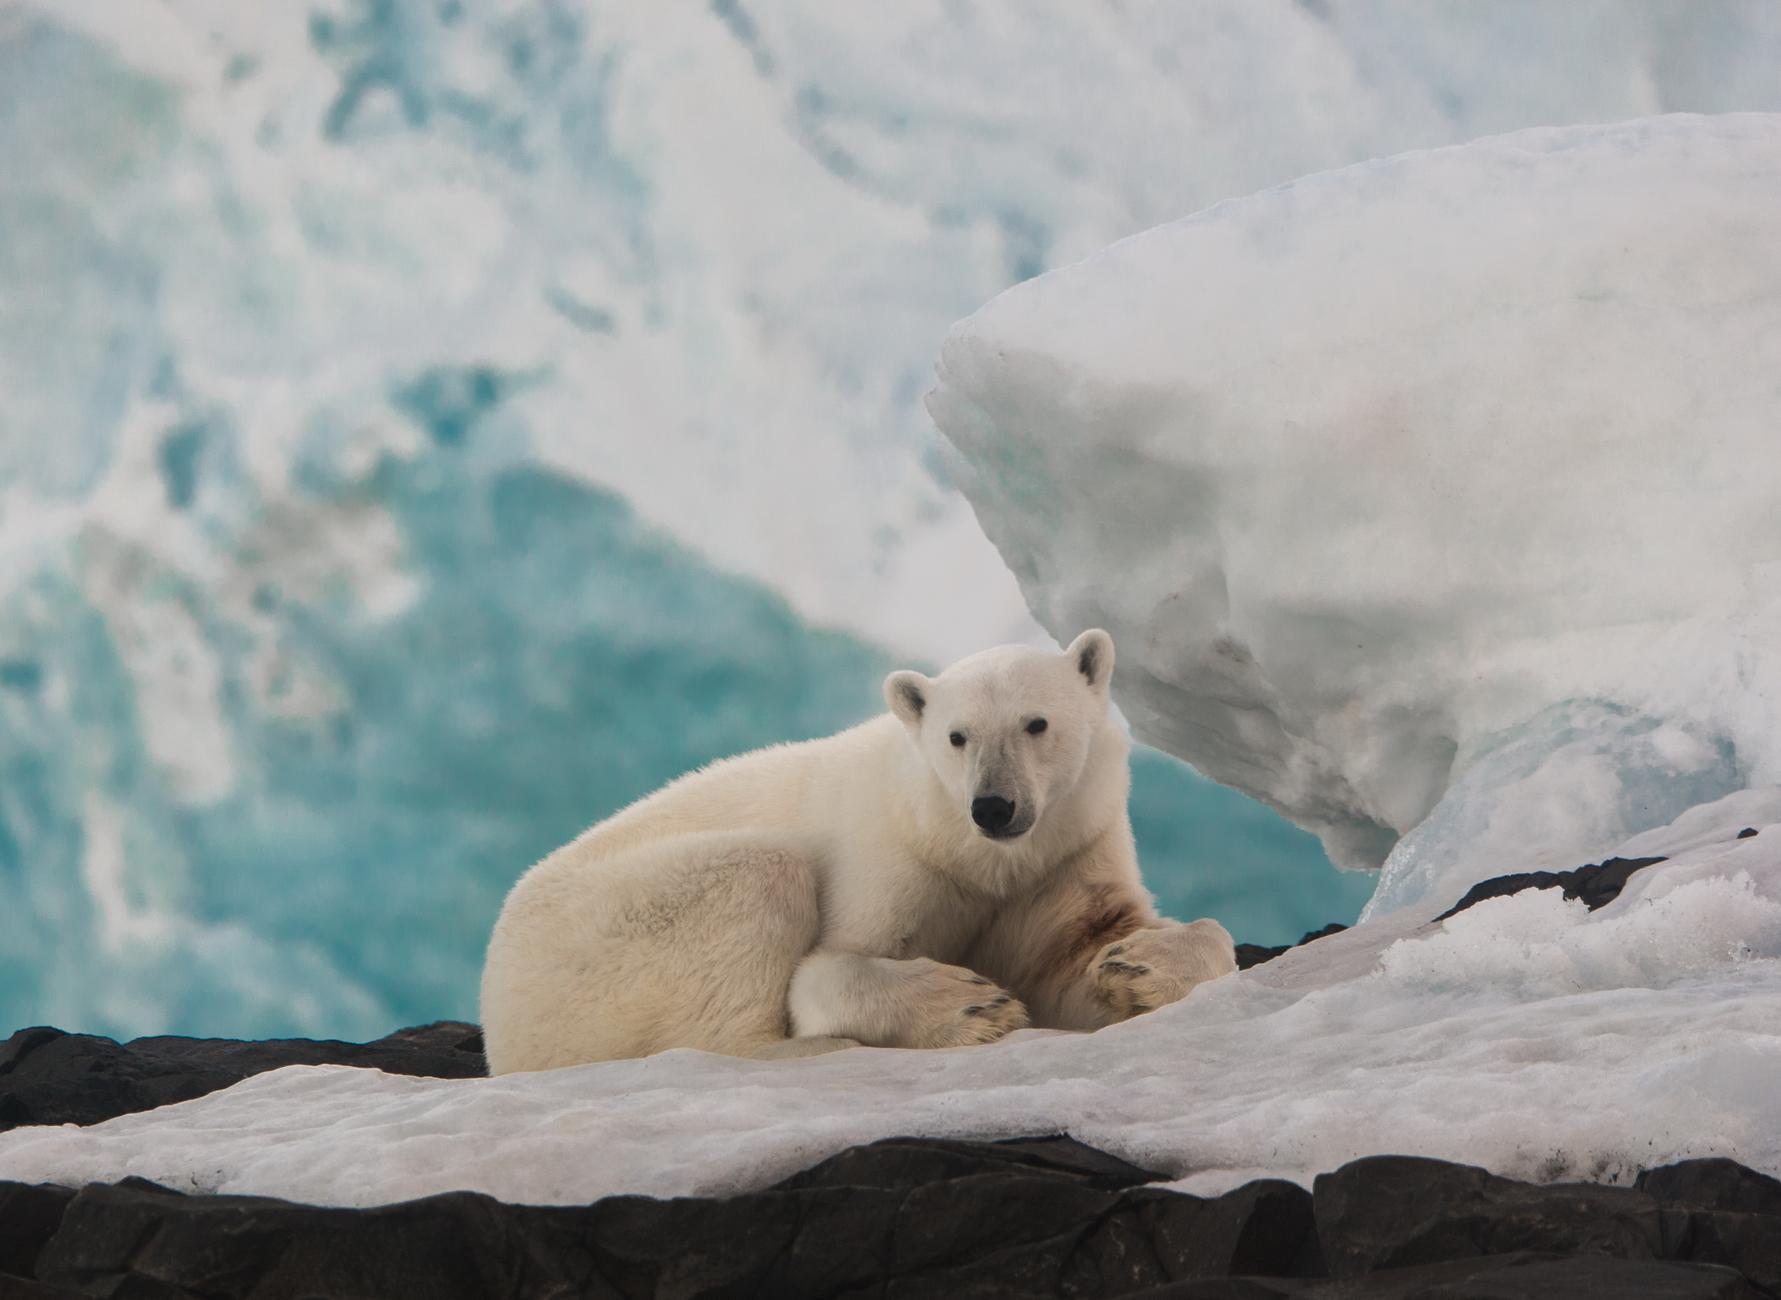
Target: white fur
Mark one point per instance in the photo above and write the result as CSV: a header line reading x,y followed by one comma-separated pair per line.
x,y
813,896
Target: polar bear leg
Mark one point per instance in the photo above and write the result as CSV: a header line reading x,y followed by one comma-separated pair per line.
x,y
687,942
885,1002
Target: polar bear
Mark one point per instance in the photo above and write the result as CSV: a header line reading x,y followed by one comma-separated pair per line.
x,y
948,872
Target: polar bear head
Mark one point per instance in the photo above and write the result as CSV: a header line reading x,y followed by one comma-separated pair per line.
x,y
1008,731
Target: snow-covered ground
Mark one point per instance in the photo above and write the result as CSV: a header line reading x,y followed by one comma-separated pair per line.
x,y
1526,1034
1432,500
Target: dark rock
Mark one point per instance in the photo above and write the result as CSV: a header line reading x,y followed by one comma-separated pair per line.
x,y
1717,1211
1597,884
1749,1243
49,1077
1028,1218
447,1246
1266,1227
1254,954
991,1233
1713,1183
1396,1211
897,1163
29,1217
19,1288
1004,1235
1520,1276
1749,832
1231,1288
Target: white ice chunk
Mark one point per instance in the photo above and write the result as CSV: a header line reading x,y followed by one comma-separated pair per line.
x,y
1451,474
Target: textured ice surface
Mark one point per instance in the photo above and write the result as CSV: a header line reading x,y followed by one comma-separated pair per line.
x,y
380,375
1430,498
269,223
1526,1034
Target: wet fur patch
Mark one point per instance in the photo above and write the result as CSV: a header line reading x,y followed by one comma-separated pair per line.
x,y
1105,919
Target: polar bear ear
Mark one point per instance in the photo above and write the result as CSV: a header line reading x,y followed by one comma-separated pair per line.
x,y
907,694
1092,653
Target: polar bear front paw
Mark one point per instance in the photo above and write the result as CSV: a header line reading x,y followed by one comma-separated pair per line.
x,y
1151,968
956,1007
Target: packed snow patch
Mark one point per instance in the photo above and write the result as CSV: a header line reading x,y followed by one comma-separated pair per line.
x,y
1525,944
1430,500
1472,1039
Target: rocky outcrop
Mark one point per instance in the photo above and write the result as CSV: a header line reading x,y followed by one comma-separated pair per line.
x,y
1254,954
920,1218
50,1077
1597,884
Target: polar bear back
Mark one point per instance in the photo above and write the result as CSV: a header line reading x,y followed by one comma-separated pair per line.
x,y
811,790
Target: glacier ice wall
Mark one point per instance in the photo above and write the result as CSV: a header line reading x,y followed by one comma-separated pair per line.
x,y
302,306
720,242
1432,496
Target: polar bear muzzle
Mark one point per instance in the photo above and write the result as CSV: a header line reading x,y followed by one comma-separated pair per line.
x,y
994,815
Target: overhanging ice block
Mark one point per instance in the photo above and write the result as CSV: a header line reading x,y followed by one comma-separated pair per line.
x,y
1461,459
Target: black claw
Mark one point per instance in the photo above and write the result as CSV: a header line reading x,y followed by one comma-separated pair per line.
x,y
973,1011
1116,949
1002,1001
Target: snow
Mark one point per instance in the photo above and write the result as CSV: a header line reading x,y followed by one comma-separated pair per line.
x,y
1431,500
1525,1034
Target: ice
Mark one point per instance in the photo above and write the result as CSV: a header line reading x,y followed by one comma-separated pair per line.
x,y
1526,1034
725,316
1431,500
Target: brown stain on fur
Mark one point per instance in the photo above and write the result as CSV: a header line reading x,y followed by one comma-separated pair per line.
x,y
1105,919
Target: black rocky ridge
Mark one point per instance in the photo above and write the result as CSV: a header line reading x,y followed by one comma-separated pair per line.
x,y
911,1218
51,1077
904,1218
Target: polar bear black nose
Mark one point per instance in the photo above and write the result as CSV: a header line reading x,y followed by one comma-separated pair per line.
x,y
992,812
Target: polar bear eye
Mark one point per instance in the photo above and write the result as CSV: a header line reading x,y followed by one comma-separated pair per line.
x,y
1036,727
958,739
